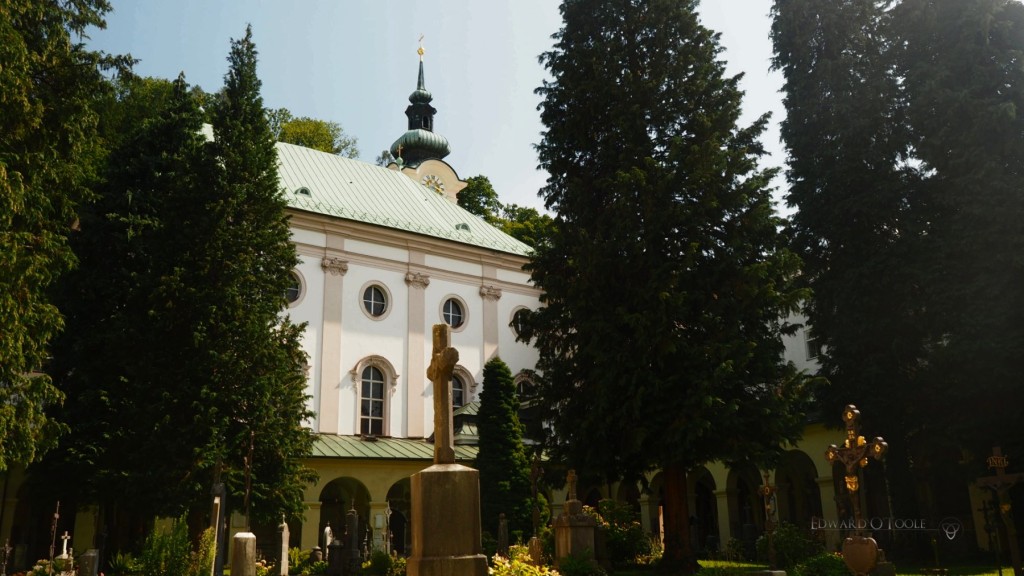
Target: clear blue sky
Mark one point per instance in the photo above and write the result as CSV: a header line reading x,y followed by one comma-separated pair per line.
x,y
354,62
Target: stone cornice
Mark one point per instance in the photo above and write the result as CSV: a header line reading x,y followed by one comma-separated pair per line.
x,y
490,292
335,266
417,280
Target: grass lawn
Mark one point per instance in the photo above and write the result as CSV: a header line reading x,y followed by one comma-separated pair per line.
x,y
720,567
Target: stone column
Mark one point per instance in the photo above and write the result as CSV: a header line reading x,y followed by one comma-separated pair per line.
x,y
490,295
414,385
724,531
311,526
330,340
645,513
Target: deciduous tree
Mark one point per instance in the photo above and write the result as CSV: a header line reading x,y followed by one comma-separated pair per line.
x,y
47,154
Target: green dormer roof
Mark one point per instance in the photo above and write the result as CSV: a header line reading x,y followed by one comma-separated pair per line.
x,y
327,184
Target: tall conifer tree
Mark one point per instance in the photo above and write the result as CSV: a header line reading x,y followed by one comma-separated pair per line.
x,y
666,279
504,468
254,355
964,88
127,358
859,222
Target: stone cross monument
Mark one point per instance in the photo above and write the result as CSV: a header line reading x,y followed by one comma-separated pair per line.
x,y
445,510
860,552
442,364
1000,484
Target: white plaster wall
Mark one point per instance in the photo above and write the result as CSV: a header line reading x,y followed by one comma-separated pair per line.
x,y
796,346
517,355
309,309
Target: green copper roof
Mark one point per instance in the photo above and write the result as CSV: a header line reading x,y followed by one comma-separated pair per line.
x,y
358,447
327,184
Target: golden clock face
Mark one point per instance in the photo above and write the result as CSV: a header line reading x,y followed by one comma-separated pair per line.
x,y
432,181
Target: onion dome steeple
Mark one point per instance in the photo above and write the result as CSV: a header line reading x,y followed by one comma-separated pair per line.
x,y
420,142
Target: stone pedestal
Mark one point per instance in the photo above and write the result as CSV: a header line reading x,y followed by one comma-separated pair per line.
x,y
575,532
243,555
446,522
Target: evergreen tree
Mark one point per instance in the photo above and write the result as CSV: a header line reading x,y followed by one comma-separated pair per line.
x,y
666,279
253,355
964,87
126,358
860,224
504,468
47,154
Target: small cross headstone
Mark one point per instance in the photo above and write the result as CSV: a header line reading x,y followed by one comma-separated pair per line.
x,y
64,549
571,480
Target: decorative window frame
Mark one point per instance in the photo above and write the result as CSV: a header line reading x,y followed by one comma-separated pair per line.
x,y
303,288
388,304
465,311
523,379
390,386
469,392
512,319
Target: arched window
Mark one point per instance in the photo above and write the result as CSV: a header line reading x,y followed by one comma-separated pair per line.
x,y
371,402
374,382
458,392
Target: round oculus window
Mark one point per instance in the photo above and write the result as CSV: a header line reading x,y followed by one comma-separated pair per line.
x,y
452,313
375,301
294,289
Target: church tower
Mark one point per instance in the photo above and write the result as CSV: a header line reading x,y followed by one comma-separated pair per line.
x,y
420,152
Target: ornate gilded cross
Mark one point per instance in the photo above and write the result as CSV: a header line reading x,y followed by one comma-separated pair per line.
x,y
1000,484
854,454
442,364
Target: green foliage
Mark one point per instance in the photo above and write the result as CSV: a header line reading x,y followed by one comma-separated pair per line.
x,y
170,552
47,157
582,564
187,240
824,564
480,198
501,460
625,540
793,546
316,134
123,564
518,566
666,275
383,564
522,223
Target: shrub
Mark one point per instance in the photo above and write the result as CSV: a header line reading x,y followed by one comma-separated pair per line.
x,y
792,546
625,541
580,565
170,552
382,564
826,564
518,567
123,564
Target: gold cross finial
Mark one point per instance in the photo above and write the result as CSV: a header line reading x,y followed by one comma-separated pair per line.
x,y
420,49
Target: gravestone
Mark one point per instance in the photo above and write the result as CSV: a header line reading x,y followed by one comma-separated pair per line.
x,y
502,535
445,509
353,560
89,563
243,555
575,532
282,551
